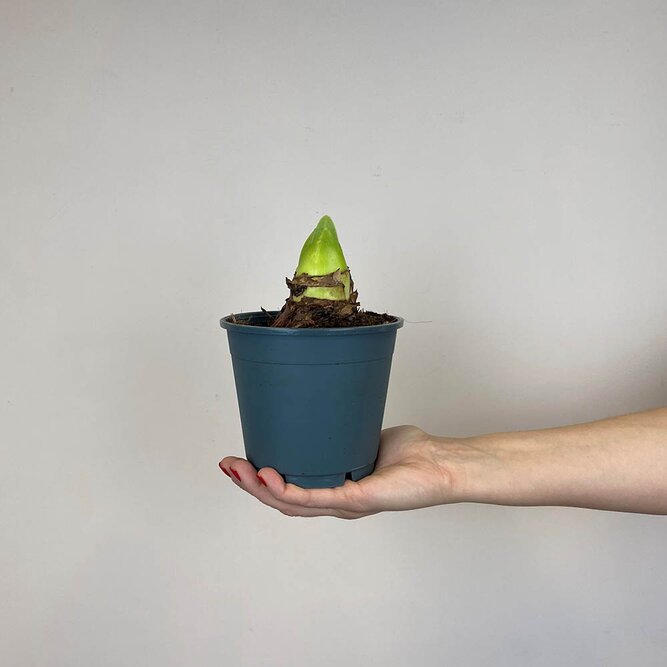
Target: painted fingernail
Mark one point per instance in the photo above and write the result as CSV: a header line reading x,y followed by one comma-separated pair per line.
x,y
261,479
223,470
236,474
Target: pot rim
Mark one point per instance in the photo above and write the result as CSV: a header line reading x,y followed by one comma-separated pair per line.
x,y
324,331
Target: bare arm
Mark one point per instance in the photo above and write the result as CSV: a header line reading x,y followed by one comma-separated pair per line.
x,y
613,464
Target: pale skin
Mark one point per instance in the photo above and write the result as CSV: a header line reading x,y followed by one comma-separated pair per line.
x,y
619,464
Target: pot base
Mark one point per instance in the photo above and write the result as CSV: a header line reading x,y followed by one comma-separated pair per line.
x,y
329,481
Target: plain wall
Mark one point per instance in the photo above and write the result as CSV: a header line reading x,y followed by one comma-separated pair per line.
x,y
496,171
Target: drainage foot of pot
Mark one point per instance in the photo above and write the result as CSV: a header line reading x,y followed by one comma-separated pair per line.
x,y
329,481
316,481
360,473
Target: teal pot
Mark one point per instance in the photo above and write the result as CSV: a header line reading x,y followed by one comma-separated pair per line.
x,y
311,400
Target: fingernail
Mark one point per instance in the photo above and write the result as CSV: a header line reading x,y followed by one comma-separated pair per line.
x,y
236,474
223,470
261,479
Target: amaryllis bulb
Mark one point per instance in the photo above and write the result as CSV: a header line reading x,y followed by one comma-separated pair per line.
x,y
322,255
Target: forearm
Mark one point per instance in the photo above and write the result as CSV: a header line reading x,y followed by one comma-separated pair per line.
x,y
615,464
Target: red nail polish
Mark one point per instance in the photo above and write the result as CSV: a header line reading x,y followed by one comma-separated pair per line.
x,y
223,470
236,474
259,477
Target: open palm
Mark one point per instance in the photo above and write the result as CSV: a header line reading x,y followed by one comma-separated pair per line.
x,y
411,471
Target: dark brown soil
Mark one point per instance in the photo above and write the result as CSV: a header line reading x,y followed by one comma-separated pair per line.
x,y
314,317
324,318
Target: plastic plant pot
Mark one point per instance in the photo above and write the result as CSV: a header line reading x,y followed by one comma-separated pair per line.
x,y
311,400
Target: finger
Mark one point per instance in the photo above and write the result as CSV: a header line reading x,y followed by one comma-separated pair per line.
x,y
243,474
226,467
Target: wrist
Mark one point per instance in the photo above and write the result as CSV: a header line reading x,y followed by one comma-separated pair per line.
x,y
480,469
466,466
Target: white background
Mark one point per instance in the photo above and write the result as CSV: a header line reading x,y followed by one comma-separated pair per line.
x,y
496,171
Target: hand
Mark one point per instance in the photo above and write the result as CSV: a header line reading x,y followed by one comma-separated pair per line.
x,y
619,463
413,470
